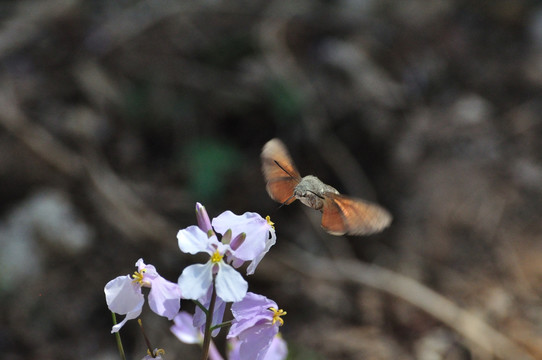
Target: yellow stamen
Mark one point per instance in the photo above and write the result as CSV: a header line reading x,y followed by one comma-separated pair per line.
x,y
268,219
277,315
216,258
156,352
138,276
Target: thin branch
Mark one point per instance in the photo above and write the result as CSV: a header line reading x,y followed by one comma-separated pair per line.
x,y
126,211
30,19
464,322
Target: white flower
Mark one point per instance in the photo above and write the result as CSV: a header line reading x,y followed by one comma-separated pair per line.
x,y
196,279
123,294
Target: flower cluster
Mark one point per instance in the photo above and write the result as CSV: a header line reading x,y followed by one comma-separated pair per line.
x,y
230,241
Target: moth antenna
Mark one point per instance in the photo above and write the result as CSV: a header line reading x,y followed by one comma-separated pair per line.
x,y
283,169
285,201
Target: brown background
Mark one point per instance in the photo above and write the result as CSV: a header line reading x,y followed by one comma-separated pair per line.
x,y
117,116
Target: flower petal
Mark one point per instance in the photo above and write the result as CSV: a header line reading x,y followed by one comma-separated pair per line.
x,y
230,285
252,311
193,240
252,305
203,218
150,271
278,350
252,224
196,280
218,313
165,297
129,316
256,341
123,296
184,330
233,349
268,243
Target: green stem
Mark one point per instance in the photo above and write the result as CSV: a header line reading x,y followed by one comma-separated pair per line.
x,y
208,323
117,337
221,325
200,305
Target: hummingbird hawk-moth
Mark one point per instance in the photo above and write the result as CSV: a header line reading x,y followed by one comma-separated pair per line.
x,y
340,214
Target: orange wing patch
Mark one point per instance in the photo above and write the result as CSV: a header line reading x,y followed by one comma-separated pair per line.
x,y
358,217
281,190
332,218
279,171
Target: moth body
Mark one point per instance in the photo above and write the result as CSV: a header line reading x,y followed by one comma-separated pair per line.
x,y
311,191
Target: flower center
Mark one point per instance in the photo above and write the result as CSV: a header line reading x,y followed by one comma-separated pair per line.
x,y
269,222
277,315
138,277
216,258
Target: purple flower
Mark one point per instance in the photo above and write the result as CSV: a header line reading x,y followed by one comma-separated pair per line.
x,y
278,350
245,237
256,322
185,331
124,296
252,236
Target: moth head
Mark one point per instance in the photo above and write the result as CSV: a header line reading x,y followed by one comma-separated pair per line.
x,y
309,197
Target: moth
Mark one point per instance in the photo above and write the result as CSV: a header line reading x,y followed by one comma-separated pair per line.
x,y
340,214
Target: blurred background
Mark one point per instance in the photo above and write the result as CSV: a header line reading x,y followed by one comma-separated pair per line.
x,y
117,116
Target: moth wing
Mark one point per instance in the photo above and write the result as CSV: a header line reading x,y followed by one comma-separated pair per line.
x,y
279,171
346,215
332,218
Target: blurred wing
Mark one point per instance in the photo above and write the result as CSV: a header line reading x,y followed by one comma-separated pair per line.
x,y
345,215
279,171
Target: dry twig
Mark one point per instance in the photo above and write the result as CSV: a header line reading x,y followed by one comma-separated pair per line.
x,y
465,323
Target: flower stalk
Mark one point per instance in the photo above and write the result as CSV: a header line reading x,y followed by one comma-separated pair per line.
x,y
208,324
117,338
